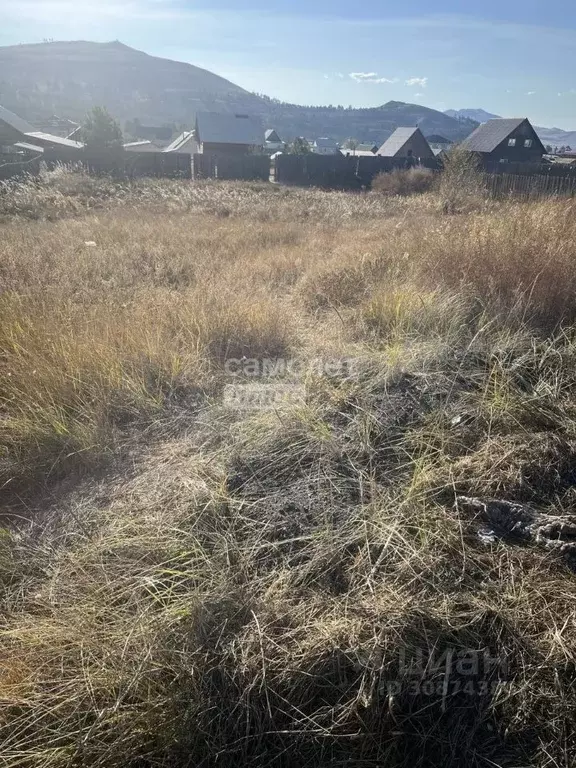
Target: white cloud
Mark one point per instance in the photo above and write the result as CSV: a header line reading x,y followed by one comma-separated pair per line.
x,y
370,77
531,93
422,82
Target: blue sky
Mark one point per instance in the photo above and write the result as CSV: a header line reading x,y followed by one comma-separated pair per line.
x,y
510,57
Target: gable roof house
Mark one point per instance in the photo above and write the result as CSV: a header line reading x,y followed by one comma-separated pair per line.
x,y
506,140
325,146
223,133
273,141
406,142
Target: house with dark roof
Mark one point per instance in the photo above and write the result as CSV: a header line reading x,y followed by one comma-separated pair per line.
x,y
222,133
325,146
406,143
502,140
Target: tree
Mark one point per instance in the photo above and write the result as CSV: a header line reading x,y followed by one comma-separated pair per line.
x,y
101,131
300,147
351,144
548,149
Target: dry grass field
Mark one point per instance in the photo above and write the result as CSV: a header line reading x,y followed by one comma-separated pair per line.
x,y
189,580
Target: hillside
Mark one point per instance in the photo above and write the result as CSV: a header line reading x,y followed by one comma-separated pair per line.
x,y
373,124
68,78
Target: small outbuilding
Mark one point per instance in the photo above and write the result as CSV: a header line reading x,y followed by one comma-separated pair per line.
x,y
506,140
407,143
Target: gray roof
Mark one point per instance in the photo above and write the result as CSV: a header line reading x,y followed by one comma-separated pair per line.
x,y
221,128
367,147
490,135
28,147
15,122
141,146
357,153
186,140
48,138
326,142
394,144
272,136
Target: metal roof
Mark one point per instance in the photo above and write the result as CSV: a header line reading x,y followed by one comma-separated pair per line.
x,y
399,138
15,122
222,128
357,153
141,146
186,140
29,147
48,138
490,135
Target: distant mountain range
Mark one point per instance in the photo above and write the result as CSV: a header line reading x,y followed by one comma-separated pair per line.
x,y
68,78
556,137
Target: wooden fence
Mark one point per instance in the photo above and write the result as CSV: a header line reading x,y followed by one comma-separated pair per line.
x,y
533,187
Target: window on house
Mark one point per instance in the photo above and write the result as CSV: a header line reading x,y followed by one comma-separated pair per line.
x,y
511,142
528,143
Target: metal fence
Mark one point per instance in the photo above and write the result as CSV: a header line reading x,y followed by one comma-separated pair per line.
x,y
339,171
240,167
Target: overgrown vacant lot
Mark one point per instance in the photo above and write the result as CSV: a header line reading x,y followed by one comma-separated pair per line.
x,y
189,582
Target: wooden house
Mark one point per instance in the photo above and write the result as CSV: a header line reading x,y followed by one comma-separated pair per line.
x,y
406,143
506,140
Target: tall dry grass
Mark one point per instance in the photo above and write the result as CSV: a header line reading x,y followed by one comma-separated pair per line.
x,y
184,583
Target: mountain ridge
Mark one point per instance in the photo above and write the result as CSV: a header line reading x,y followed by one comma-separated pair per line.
x,y
67,78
